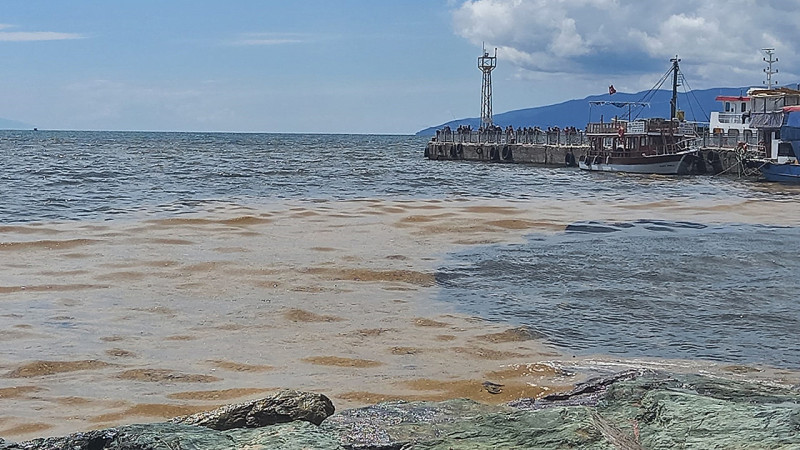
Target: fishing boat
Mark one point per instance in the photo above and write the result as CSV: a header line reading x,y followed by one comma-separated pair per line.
x,y
776,117
648,146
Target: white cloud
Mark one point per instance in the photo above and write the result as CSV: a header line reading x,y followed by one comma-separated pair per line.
x,y
718,41
246,39
27,36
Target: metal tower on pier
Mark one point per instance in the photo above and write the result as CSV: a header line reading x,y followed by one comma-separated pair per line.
x,y
487,63
769,60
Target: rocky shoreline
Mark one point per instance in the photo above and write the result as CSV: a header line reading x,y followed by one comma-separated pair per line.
x,y
634,409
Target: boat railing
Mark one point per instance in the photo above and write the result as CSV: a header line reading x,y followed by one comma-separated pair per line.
x,y
728,118
604,127
561,138
732,139
564,138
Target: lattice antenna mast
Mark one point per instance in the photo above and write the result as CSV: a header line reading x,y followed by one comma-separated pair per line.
x,y
487,63
770,61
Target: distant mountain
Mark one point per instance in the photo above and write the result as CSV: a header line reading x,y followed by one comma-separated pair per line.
x,y
697,106
6,124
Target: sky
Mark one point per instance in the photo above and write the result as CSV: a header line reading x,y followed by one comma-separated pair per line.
x,y
362,66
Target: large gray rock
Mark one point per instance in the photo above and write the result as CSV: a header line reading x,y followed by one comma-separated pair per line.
x,y
286,406
631,411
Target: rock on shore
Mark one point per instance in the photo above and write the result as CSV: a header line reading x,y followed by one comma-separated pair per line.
x,y
630,410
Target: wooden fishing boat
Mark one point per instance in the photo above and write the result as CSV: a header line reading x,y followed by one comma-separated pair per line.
x,y
650,146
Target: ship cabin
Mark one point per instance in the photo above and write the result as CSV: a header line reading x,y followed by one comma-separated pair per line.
x,y
735,114
771,111
646,137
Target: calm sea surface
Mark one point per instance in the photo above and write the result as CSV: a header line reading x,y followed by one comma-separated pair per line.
x,y
724,291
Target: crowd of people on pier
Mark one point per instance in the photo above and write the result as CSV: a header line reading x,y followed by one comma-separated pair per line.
x,y
521,135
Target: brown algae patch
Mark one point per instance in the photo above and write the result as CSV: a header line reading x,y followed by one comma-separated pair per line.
x,y
50,288
239,367
373,332
405,350
512,224
121,276
486,353
516,371
218,395
502,210
120,353
25,429
167,241
518,334
245,221
42,368
162,310
180,337
17,391
438,390
422,322
73,401
159,375
46,244
342,362
149,410
402,276
300,315
370,398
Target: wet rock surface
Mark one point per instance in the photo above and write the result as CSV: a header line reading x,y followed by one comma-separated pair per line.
x,y
286,406
629,410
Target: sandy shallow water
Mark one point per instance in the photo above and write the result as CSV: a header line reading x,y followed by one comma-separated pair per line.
x,y
138,320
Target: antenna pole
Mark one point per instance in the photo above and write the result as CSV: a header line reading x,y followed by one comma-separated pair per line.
x,y
769,60
487,63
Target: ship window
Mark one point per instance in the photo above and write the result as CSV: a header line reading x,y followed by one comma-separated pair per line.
x,y
727,106
785,149
744,107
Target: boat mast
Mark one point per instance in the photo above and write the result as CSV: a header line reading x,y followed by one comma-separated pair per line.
x,y
673,104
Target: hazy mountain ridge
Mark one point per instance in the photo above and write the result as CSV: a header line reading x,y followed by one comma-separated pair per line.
x,y
7,124
697,104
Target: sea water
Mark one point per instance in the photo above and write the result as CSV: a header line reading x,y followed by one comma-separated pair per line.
x,y
724,291
245,262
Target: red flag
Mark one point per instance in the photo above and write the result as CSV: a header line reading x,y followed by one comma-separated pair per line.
x,y
611,90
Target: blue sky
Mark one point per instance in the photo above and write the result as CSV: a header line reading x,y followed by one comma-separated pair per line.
x,y
358,66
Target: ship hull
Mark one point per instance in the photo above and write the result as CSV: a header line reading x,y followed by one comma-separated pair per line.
x,y
784,173
670,164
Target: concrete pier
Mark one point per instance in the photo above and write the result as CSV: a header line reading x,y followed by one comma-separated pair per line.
x,y
721,155
545,154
